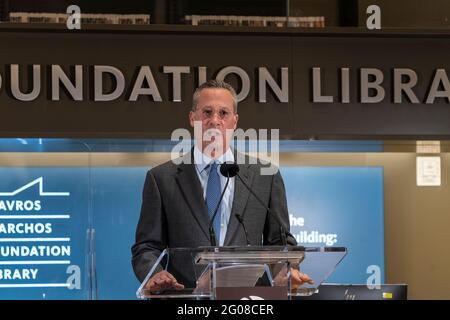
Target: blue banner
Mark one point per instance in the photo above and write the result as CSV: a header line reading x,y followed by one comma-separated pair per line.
x,y
340,207
43,233
46,214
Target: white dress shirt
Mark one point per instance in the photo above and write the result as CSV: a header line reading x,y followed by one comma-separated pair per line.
x,y
202,164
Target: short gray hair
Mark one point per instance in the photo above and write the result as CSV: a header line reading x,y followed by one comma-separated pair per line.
x,y
214,84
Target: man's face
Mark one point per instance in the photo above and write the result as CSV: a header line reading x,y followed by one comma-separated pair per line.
x,y
215,111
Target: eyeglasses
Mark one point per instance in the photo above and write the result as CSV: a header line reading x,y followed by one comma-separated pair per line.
x,y
208,113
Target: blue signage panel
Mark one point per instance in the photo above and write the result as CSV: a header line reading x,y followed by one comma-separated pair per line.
x,y
43,233
340,207
45,215
117,194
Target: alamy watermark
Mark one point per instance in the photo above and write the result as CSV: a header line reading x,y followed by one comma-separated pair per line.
x,y
261,145
373,22
74,18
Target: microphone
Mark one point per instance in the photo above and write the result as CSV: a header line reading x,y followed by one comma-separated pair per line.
x,y
212,234
231,170
241,221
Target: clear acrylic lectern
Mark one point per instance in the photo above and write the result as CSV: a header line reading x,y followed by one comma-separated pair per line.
x,y
211,272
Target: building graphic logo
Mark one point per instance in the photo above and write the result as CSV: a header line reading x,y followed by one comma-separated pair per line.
x,y
39,181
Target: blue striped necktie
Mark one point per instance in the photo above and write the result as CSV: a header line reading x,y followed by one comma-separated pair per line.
x,y
212,198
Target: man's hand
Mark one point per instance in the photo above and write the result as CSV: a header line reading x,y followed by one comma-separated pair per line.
x,y
297,278
163,280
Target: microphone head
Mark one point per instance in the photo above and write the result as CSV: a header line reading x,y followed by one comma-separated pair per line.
x,y
229,169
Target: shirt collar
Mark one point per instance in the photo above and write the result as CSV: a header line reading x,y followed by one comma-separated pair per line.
x,y
202,161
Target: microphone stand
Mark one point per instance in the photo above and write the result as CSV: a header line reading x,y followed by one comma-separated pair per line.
x,y
212,234
282,230
241,221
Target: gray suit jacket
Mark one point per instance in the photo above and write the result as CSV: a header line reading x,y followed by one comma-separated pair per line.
x,y
174,214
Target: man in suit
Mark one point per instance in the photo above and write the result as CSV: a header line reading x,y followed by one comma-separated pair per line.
x,y
179,198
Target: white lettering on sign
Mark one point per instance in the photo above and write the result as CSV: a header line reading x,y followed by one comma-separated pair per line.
x,y
25,232
25,228
18,274
370,86
19,205
69,79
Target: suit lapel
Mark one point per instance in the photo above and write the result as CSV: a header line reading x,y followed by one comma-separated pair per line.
x,y
240,199
191,188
